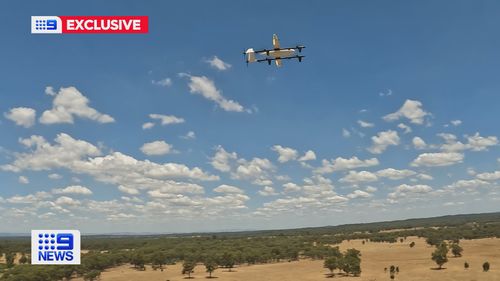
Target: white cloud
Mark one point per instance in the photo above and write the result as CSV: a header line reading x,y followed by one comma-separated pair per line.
x,y
218,64
285,153
340,164
405,190
224,188
148,125
156,148
411,110
346,133
46,156
22,116
359,194
474,143
73,189
23,180
81,157
189,136
167,119
128,190
29,199
467,184
358,177
383,140
291,187
419,143
437,159
267,191
166,82
425,177
395,174
50,91
65,200
456,122
389,93
493,176
479,143
258,170
406,129
308,156
365,124
371,189
222,158
205,87
54,176
67,104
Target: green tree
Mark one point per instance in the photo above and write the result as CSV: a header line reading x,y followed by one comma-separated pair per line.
x,y
412,244
351,263
227,260
456,250
486,266
466,265
158,260
439,255
433,241
210,266
9,259
188,267
92,275
23,259
138,261
332,263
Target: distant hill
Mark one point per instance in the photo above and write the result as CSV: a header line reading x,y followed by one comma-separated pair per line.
x,y
449,220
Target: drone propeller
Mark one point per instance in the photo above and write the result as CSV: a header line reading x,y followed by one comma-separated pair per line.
x,y
300,47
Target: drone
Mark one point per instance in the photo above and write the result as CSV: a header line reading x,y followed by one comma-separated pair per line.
x,y
277,54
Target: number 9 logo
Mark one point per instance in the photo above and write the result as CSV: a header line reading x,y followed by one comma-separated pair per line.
x,y
65,241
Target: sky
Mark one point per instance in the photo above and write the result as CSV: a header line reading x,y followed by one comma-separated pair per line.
x,y
392,114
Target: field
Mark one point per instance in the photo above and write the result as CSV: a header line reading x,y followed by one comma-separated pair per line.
x,y
414,264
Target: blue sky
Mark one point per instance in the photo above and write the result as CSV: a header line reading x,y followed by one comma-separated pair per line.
x,y
392,114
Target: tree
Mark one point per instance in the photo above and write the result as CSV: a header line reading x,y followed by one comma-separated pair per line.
x,y
332,263
433,241
158,260
9,259
23,259
439,255
486,266
92,275
466,265
412,244
138,261
227,260
392,269
456,250
351,263
188,267
211,266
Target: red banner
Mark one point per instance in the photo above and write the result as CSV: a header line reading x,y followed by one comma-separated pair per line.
x,y
104,24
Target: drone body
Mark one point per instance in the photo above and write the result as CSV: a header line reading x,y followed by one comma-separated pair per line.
x,y
277,54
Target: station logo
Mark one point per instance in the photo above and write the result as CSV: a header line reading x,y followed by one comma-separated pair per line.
x,y
55,247
88,24
46,24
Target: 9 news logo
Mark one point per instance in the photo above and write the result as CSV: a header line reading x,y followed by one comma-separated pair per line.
x,y
46,24
55,247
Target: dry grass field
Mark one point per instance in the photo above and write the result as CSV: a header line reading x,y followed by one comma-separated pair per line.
x,y
414,263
